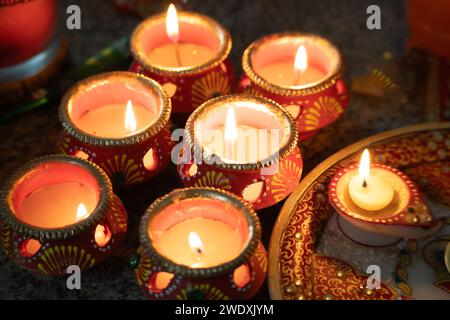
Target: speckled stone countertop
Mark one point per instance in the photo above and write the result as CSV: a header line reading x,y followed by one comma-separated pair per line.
x,y
344,22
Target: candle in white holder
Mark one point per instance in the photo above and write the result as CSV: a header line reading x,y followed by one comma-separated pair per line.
x,y
368,191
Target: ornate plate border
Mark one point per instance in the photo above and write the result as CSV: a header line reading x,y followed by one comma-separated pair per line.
x,y
296,229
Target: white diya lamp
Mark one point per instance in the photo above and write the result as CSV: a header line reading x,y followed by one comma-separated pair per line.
x,y
243,144
378,205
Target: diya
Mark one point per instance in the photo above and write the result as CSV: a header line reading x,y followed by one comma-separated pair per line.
x,y
58,211
243,144
200,243
302,72
378,205
187,53
31,53
120,121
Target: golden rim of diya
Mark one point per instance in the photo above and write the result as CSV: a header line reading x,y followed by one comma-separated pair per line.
x,y
193,18
254,229
286,121
288,38
98,80
38,233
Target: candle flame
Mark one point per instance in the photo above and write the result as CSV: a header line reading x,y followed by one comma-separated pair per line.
x,y
81,212
172,23
301,59
195,243
130,118
364,165
231,132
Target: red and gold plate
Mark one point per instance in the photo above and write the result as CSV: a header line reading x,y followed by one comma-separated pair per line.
x,y
311,258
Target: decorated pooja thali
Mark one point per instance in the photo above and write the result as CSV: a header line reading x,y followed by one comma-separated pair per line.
x,y
313,256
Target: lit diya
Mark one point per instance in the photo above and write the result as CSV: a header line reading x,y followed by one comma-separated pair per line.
x,y
120,121
302,72
188,54
200,243
378,205
244,144
58,211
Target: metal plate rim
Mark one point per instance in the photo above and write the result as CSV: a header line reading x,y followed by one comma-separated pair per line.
x,y
273,280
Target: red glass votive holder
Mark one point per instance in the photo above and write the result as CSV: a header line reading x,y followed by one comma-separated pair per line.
x,y
200,243
188,86
314,104
406,217
19,42
58,211
128,157
263,180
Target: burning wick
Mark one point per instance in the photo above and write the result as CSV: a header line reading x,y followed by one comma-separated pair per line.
x,y
231,133
172,30
196,244
364,167
369,190
81,212
130,118
301,63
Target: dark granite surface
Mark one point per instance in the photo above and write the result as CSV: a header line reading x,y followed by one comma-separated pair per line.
x,y
343,22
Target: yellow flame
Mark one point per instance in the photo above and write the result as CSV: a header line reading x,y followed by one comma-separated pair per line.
x,y
231,132
130,118
364,165
172,23
195,242
81,212
301,59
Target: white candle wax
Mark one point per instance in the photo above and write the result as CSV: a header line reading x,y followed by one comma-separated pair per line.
x,y
369,191
375,195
